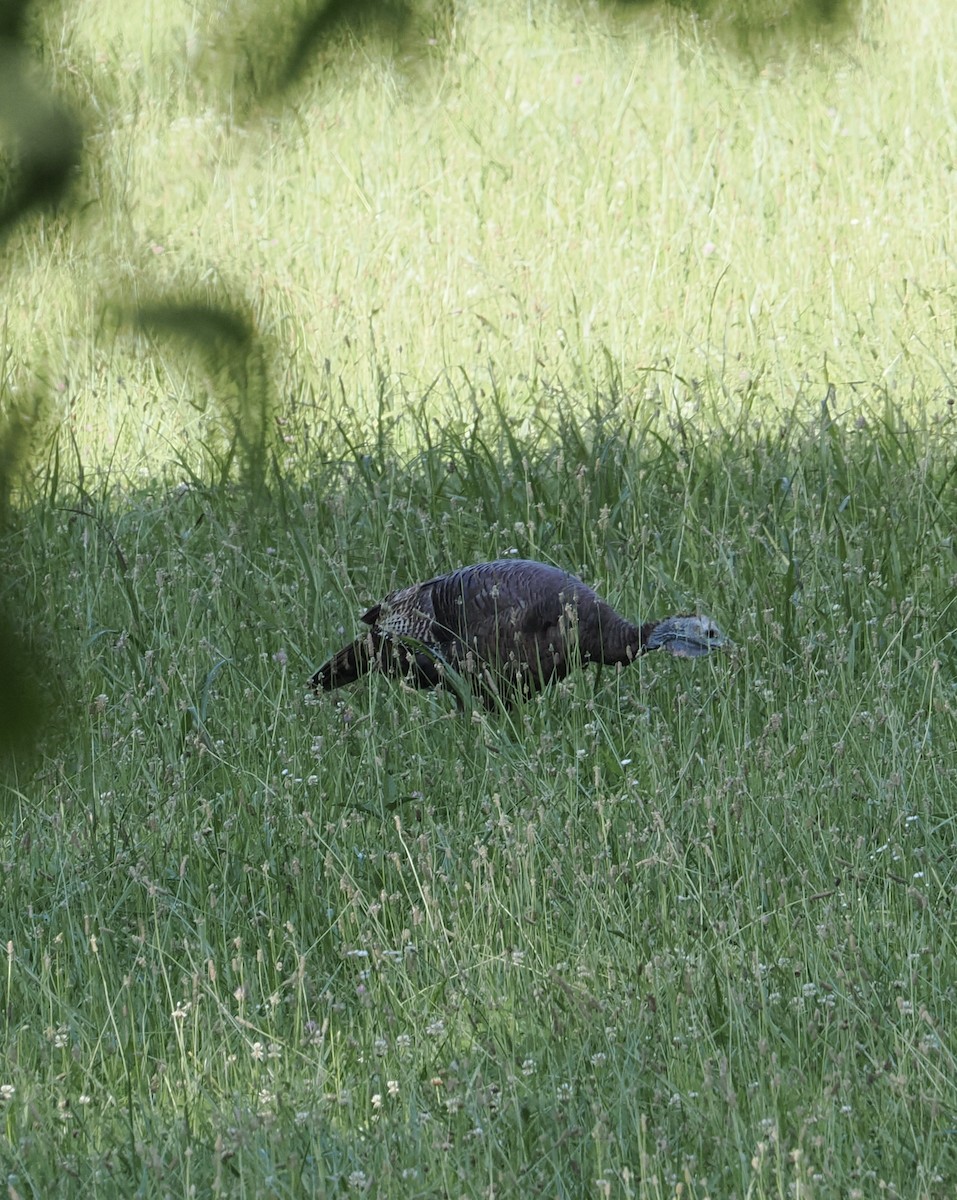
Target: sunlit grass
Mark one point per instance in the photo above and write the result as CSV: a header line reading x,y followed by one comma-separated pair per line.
x,y
529,201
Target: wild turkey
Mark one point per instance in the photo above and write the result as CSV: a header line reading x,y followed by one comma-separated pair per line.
x,y
507,628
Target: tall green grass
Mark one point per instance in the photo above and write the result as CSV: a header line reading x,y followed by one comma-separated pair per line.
x,y
686,925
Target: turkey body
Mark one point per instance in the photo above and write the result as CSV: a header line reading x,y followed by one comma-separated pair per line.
x,y
507,628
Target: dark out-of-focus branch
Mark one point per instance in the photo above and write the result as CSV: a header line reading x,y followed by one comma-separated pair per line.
x,y
41,140
220,338
276,44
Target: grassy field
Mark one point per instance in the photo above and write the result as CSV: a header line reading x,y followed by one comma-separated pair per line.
x,y
595,290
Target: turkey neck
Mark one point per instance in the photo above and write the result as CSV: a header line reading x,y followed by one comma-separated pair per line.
x,y
618,640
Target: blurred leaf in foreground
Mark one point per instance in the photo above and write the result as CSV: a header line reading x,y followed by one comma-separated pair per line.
x,y
222,341
41,140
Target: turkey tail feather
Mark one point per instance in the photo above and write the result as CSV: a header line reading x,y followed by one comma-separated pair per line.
x,y
345,666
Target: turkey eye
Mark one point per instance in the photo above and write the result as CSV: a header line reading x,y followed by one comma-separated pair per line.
x,y
712,633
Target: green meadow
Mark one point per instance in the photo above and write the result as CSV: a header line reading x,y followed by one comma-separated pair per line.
x,y
618,289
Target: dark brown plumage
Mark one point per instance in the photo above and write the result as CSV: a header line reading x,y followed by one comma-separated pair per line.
x,y
507,628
